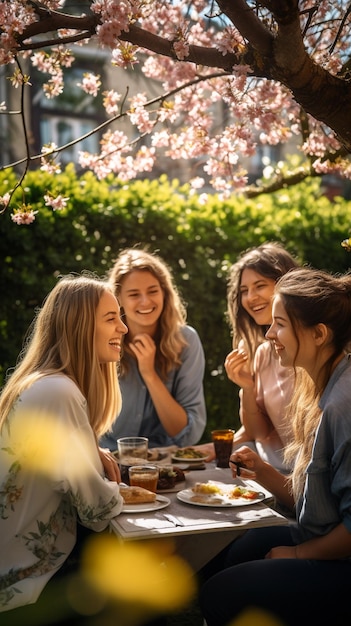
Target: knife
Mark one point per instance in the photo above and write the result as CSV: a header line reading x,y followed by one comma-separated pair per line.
x,y
173,519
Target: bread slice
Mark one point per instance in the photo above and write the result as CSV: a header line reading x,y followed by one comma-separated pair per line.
x,y
137,495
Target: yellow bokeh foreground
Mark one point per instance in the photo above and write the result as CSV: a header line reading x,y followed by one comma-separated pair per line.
x,y
139,572
256,617
43,445
132,580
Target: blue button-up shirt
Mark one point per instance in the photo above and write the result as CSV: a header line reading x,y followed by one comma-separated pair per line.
x,y
326,501
138,416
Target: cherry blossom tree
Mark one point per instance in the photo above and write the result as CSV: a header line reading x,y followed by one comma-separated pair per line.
x,y
280,68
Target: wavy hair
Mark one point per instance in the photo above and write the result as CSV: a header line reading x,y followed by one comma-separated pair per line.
x,y
169,339
312,297
270,260
61,339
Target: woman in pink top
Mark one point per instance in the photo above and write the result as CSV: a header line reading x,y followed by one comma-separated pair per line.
x,y
265,386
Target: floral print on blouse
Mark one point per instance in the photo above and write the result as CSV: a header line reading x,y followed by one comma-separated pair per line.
x,y
50,476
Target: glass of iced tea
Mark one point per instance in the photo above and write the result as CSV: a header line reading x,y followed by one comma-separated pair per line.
x,y
223,444
145,476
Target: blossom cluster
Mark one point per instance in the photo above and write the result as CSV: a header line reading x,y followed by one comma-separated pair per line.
x,y
210,118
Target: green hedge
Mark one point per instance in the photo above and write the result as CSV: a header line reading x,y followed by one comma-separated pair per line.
x,y
198,238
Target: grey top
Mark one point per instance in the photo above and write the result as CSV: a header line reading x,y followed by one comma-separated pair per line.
x,y
138,416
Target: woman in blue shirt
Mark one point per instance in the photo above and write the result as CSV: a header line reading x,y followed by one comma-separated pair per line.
x,y
162,367
276,569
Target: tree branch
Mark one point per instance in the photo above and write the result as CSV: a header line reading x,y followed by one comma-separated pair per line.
x,y
248,24
51,21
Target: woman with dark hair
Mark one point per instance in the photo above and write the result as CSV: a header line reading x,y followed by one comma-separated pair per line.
x,y
275,569
163,363
265,386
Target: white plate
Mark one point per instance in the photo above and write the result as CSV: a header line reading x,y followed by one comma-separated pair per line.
x,y
160,503
186,460
218,500
152,455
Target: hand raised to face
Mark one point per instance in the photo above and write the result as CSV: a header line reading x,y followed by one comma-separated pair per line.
x,y
144,348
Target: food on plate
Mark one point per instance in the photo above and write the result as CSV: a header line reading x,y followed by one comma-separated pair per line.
x,y
136,495
189,453
208,492
203,498
207,488
242,492
152,455
169,476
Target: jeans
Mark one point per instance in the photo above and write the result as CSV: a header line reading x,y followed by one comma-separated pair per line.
x,y
296,592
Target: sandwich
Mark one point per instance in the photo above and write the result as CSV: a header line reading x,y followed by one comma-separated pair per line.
x,y
136,495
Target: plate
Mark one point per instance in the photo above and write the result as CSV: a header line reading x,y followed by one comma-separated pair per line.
x,y
160,503
151,455
218,500
190,459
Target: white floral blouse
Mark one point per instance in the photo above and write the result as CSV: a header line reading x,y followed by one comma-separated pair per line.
x,y
50,475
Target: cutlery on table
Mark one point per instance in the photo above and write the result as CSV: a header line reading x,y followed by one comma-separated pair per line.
x,y
239,467
170,518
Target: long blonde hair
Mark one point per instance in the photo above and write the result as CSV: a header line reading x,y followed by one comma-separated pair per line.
x,y
303,415
62,340
312,297
169,340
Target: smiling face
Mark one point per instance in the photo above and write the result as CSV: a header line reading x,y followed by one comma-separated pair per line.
x,y
109,329
294,348
256,292
142,299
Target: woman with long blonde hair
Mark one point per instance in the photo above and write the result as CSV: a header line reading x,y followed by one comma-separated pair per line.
x,y
273,569
62,395
162,366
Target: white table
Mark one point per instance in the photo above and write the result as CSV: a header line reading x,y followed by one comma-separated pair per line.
x,y
206,530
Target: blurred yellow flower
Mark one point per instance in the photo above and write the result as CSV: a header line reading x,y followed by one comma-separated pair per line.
x,y
140,573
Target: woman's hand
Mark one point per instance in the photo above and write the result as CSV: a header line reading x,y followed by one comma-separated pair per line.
x,y
144,348
237,366
282,552
110,465
247,460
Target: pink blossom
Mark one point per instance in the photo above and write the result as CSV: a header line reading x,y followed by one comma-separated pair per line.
x,y
203,198
53,87
23,215
230,40
58,203
50,165
197,182
49,148
5,199
181,48
124,55
91,83
110,100
18,79
187,124
139,115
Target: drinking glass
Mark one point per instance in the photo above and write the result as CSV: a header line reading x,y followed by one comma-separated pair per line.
x,y
131,451
145,476
223,444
